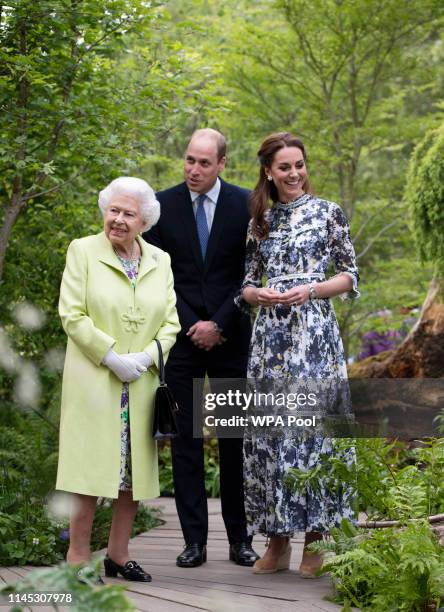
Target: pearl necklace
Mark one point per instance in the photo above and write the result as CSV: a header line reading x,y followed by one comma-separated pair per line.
x,y
131,257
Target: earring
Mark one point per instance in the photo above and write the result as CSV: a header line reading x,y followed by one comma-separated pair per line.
x,y
269,177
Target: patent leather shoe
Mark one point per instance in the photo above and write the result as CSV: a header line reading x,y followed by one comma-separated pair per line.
x,y
193,555
242,553
130,571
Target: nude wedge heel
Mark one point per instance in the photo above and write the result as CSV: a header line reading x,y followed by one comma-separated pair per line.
x,y
282,563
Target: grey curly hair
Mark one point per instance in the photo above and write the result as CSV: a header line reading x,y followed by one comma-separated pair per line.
x,y
135,188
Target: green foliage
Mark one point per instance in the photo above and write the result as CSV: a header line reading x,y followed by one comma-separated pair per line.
x,y
165,471
99,89
88,92
392,481
425,196
63,579
61,95
395,569
28,463
146,519
211,468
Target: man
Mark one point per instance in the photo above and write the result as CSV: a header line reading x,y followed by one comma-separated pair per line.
x,y
203,226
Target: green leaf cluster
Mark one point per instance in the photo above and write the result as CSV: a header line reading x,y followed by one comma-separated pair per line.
x,y
28,464
392,481
390,569
63,579
211,469
395,569
425,197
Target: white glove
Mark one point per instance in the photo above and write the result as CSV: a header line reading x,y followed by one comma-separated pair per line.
x,y
124,367
143,358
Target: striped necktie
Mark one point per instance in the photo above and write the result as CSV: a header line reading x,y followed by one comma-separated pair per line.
x,y
202,224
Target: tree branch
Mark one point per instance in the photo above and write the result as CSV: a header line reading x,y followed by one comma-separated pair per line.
x,y
31,195
368,219
375,238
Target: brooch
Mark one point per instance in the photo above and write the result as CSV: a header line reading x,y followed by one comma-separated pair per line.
x,y
133,318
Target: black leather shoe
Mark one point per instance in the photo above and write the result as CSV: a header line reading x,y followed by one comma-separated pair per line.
x,y
243,554
130,571
193,555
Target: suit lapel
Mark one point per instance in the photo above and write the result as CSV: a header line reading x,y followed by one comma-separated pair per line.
x,y
189,224
220,217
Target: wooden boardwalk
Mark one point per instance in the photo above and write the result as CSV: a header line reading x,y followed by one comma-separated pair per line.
x,y
218,585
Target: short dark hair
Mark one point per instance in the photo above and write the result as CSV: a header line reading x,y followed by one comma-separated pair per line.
x,y
221,143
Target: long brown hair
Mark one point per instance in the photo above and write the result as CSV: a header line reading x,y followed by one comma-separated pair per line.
x,y
265,190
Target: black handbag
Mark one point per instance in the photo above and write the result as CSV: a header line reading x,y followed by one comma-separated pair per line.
x,y
165,406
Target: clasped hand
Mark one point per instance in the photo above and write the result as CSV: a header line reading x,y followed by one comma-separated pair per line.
x,y
127,367
270,297
204,335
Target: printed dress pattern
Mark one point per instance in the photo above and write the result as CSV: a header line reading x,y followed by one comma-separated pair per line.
x,y
130,267
305,237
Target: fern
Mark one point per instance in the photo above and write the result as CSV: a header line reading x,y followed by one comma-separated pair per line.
x,y
388,569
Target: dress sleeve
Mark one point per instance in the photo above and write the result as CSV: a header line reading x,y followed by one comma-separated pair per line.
x,y
78,325
253,269
342,251
170,325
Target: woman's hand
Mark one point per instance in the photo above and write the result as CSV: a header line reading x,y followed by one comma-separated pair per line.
x,y
261,297
124,367
297,295
143,358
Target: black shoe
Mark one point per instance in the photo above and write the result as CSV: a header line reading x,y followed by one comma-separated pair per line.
x,y
130,571
85,576
193,555
243,554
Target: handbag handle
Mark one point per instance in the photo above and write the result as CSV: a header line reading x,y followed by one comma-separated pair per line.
x,y
161,364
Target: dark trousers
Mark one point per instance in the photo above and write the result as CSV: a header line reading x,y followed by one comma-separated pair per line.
x,y
186,363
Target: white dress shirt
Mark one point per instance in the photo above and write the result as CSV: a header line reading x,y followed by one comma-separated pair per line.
x,y
209,203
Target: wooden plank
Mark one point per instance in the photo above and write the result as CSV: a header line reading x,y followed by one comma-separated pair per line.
x,y
24,570
218,585
199,602
238,597
145,603
10,574
295,590
281,583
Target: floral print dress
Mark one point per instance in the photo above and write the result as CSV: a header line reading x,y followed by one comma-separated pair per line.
x,y
130,267
296,342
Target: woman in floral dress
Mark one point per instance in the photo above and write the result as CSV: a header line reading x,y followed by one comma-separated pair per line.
x,y
295,336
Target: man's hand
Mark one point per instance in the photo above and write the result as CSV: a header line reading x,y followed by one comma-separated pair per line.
x,y
203,335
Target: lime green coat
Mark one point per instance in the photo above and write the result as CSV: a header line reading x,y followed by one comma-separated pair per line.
x,y
100,309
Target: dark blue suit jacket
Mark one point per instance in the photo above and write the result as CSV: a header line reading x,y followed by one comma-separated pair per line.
x,y
205,289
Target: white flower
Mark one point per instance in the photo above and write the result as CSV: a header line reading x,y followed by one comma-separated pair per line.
x,y
28,316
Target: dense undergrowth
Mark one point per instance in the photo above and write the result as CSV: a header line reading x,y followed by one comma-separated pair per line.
x,y
400,568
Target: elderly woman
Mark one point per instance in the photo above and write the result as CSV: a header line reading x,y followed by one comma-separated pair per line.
x,y
116,299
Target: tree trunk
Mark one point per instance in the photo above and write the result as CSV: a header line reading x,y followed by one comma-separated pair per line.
x,y
421,355
12,211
